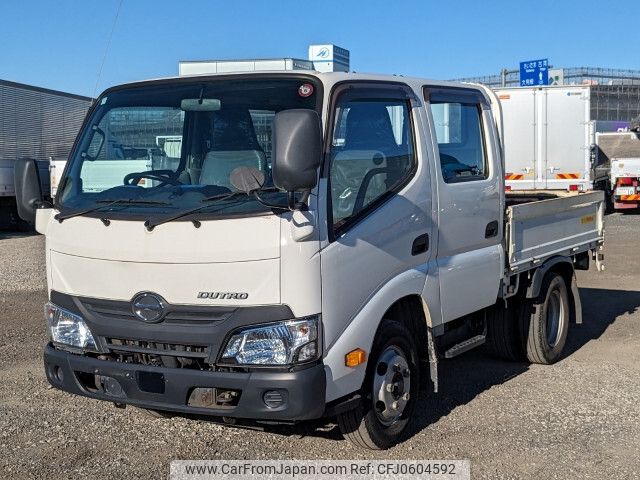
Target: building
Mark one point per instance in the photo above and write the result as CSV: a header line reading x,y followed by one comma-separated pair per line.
x,y
615,93
322,58
564,76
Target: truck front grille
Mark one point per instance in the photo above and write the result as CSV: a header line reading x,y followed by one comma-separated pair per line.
x,y
156,348
173,355
179,314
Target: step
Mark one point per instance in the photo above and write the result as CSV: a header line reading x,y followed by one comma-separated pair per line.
x,y
465,346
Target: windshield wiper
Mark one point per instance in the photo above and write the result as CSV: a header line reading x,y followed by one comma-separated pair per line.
x,y
108,203
151,224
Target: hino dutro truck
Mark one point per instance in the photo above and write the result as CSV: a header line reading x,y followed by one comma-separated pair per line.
x,y
308,245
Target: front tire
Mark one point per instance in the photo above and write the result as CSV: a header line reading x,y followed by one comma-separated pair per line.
x,y
389,391
548,321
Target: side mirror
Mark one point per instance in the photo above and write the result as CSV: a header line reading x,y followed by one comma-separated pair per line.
x,y
28,189
297,149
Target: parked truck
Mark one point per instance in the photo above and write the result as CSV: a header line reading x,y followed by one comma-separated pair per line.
x,y
618,155
549,137
38,124
317,244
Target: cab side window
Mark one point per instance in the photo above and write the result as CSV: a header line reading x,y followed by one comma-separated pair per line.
x,y
372,153
458,127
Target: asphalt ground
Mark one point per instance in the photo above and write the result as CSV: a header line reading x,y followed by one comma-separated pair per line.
x,y
579,418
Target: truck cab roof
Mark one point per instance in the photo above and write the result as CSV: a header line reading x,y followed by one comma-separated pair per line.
x,y
327,78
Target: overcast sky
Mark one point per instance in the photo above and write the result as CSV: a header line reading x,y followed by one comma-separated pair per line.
x,y
60,44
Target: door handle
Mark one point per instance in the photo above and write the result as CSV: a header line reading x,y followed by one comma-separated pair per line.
x,y
491,230
420,244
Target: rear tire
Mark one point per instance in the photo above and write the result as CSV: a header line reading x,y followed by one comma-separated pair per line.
x,y
504,339
388,402
547,321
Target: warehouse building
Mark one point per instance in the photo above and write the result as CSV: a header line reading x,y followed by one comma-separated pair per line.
x,y
615,93
322,58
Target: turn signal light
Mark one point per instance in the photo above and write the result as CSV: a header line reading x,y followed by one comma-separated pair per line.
x,y
355,357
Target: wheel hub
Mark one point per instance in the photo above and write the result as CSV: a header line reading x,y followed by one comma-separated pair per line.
x,y
391,385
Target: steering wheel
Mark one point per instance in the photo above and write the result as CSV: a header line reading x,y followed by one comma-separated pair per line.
x,y
163,176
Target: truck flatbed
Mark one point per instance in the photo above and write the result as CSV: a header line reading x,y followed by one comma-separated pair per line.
x,y
540,229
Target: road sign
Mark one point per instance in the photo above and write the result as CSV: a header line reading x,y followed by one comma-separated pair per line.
x,y
534,72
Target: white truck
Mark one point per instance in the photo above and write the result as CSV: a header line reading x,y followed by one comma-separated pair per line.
x,y
549,136
9,215
38,124
323,242
618,154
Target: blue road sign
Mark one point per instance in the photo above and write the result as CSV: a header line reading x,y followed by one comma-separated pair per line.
x,y
534,72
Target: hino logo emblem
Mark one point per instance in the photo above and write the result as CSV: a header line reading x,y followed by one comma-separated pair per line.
x,y
223,295
148,307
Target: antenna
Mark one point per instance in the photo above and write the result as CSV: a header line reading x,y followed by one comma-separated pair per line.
x,y
106,50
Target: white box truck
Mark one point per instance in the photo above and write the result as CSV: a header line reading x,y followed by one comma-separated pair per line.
x,y
549,136
36,124
321,238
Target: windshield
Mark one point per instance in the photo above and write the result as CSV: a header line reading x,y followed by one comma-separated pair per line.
x,y
164,148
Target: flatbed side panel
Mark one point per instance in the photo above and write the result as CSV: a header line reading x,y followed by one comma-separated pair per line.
x,y
560,226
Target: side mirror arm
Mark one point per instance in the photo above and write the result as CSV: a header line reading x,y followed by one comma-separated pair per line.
x,y
297,206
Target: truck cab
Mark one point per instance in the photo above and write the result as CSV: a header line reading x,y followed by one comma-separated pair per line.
x,y
278,247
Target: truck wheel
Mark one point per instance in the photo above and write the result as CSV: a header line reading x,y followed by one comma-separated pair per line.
x,y
503,336
389,391
548,321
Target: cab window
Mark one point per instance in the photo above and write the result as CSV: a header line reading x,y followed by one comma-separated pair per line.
x,y
372,153
458,128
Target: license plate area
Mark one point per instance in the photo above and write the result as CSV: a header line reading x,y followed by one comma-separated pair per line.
x,y
150,382
625,191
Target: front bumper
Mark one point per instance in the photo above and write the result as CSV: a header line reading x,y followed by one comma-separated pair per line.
x,y
303,390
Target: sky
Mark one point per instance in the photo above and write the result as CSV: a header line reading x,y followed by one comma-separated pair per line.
x,y
61,44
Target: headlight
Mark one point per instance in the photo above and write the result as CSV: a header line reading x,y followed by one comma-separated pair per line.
x,y
282,343
68,329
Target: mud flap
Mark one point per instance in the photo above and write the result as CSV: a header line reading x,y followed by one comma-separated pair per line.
x,y
577,304
433,360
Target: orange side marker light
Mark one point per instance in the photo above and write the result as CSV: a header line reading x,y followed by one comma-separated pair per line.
x,y
355,357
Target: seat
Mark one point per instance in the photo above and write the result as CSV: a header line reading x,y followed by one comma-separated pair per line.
x,y
369,127
233,144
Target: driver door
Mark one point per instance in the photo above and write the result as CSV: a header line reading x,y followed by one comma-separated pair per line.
x,y
379,206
